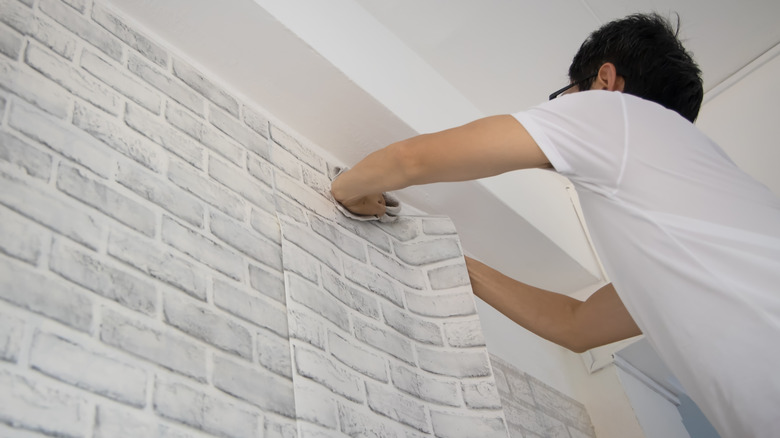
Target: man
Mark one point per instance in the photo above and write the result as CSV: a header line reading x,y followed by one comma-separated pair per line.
x,y
690,242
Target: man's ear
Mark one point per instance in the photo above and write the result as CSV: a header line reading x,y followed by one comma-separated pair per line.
x,y
608,79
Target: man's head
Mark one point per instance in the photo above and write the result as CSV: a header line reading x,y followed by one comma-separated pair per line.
x,y
647,54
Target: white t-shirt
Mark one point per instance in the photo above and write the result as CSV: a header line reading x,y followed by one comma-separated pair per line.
x,y
690,242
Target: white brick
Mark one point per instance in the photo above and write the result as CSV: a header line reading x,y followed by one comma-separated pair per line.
x,y
409,276
73,80
202,249
268,283
11,333
384,340
38,407
22,154
315,404
114,24
266,224
466,333
77,184
301,152
311,243
412,326
112,422
120,81
310,295
357,358
205,87
202,411
157,190
171,351
309,430
273,353
245,240
163,134
521,417
207,325
236,179
452,304
286,207
374,281
278,429
205,134
338,237
425,387
481,395
260,169
20,237
256,121
38,293
285,161
315,366
366,231
40,28
306,327
239,132
258,387
155,261
512,382
87,270
437,226
304,196
10,43
318,181
558,405
351,296
356,423
458,425
8,432
254,308
299,262
454,363
90,370
189,179
65,139
448,277
173,89
405,228
82,27
427,251
391,404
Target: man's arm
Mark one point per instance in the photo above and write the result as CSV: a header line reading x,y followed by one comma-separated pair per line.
x,y
573,324
483,148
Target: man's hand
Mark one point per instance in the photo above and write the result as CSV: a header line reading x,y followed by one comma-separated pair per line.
x,y
370,205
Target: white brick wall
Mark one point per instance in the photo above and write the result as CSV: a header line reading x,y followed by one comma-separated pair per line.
x,y
147,287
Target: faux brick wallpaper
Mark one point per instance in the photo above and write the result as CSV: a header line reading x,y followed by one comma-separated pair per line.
x,y
171,264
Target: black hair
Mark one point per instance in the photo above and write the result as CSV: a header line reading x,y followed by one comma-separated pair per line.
x,y
647,53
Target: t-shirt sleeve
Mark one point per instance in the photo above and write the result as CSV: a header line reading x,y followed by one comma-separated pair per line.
x,y
584,135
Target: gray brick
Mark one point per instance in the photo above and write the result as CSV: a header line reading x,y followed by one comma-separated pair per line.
x,y
412,326
447,277
425,387
254,308
157,190
304,196
312,296
11,333
314,365
35,89
38,293
481,395
207,325
398,407
464,333
315,404
452,304
355,423
189,179
245,240
154,260
236,180
120,81
266,224
205,134
202,411
172,88
119,137
10,43
19,237
40,28
512,383
64,139
261,170
409,276
258,387
428,251
38,407
558,405
384,340
273,353
270,284
357,357
239,132
306,327
374,281
301,152
454,363
82,27
163,134
519,416
73,80
169,350
338,237
75,183
88,369
22,154
349,295
116,26
256,121
205,87
405,228
299,262
437,226
458,425
85,269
